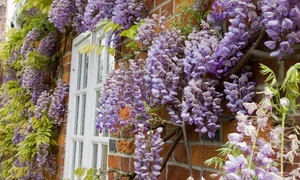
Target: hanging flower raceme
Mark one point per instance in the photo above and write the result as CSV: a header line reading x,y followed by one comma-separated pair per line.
x,y
147,153
48,44
79,16
239,91
124,87
96,10
127,12
57,105
281,20
29,41
229,50
61,13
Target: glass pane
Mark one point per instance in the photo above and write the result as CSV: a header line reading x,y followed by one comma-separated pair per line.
x,y
107,63
83,114
104,160
76,115
95,155
73,158
85,70
79,71
100,69
96,131
80,154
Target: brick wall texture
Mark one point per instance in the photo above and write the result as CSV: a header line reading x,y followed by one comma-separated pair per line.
x,y
121,156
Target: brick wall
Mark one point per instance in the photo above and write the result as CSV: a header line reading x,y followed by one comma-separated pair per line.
x,y
62,72
121,145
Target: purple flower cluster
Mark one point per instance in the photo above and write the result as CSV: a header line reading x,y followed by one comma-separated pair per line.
x,y
198,49
28,44
146,31
258,159
42,153
239,91
18,137
48,44
61,13
281,18
229,51
164,68
201,106
57,105
123,87
78,18
51,164
147,153
128,12
42,104
32,78
96,10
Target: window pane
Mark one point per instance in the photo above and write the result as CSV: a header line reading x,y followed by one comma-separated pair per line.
x,y
79,71
100,69
73,158
76,115
83,114
95,155
80,154
107,63
96,131
104,159
100,65
85,70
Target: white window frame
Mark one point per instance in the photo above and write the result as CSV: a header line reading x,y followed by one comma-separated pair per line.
x,y
92,87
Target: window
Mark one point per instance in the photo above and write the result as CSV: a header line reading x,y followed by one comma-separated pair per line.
x,y
85,146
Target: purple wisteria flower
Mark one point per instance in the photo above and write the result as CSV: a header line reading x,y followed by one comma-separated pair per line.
x,y
61,13
28,44
48,44
96,10
57,105
128,12
281,20
229,50
124,87
239,91
147,153
42,104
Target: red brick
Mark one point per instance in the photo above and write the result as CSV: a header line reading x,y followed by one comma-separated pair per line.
x,y
167,9
67,59
154,12
126,146
66,77
125,164
199,154
61,139
67,68
180,153
159,2
131,165
228,127
111,176
180,173
114,161
149,4
163,174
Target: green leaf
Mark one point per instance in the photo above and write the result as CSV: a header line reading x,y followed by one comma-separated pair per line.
x,y
84,48
91,48
111,51
99,49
